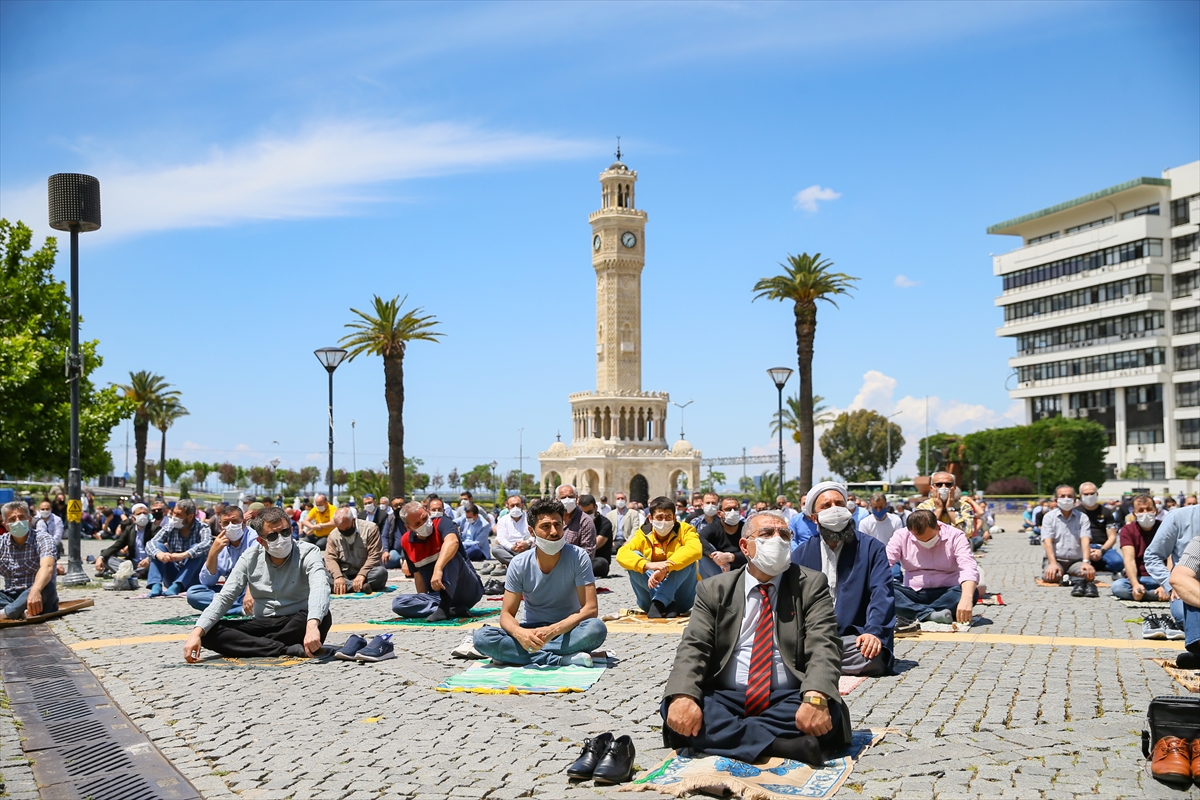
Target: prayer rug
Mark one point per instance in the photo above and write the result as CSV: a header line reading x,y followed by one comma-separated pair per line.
x,y
484,677
362,595
992,600
1040,582
64,607
476,615
147,596
848,683
192,619
1187,678
774,779
1160,604
603,590
636,615
324,656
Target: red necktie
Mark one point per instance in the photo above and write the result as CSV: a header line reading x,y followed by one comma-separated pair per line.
x,y
758,681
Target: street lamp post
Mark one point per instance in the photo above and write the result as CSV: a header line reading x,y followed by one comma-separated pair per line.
x,y
1039,466
275,473
780,376
681,408
330,358
74,202
495,490
888,422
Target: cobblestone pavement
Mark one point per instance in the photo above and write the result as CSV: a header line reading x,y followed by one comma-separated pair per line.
x,y
970,719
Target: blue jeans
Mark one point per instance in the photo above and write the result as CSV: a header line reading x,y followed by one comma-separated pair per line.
x,y
678,588
709,568
1111,560
498,645
184,573
1123,587
474,552
918,604
200,597
393,560
14,603
1190,624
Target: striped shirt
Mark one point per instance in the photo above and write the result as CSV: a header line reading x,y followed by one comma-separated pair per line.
x,y
196,545
19,563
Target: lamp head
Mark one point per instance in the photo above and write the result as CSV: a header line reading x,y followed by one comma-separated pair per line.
x,y
779,375
330,357
74,202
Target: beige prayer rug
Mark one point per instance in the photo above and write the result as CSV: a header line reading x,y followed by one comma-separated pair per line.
x,y
1187,678
64,607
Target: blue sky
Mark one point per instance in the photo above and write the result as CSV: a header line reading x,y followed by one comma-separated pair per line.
x,y
266,167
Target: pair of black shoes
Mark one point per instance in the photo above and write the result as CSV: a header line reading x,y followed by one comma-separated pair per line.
x,y
1084,589
604,759
658,611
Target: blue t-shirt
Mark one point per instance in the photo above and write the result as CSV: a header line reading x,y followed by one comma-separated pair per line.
x,y
552,597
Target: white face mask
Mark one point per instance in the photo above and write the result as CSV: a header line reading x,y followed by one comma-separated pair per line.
x,y
732,517
281,547
710,510
621,503
369,508
931,543
141,520
19,529
549,546
234,532
662,526
516,512
1066,504
322,509
835,517
1090,500
170,524
569,504
772,555
424,531
436,514
44,513
944,492
1146,519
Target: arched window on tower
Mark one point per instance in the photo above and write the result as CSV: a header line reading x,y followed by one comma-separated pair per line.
x,y
607,422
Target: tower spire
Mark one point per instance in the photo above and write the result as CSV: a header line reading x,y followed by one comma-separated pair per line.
x,y
618,148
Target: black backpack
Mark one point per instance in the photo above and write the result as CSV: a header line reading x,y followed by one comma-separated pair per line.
x,y
1169,715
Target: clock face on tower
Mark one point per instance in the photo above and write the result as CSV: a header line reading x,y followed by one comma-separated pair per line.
x,y
596,243
628,239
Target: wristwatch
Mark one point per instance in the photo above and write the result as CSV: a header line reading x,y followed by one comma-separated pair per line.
x,y
818,700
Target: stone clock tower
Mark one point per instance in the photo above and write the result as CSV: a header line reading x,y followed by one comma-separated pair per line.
x,y
618,441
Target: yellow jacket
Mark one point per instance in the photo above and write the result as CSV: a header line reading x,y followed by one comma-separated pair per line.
x,y
682,548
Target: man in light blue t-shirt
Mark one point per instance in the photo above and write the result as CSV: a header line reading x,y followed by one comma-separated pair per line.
x,y
556,582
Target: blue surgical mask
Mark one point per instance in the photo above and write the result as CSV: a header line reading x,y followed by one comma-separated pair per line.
x,y
879,514
19,529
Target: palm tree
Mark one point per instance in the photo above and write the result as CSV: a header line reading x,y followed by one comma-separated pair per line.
x,y
387,334
163,417
805,280
147,390
822,416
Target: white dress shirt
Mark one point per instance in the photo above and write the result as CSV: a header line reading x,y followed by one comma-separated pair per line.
x,y
829,559
737,671
510,531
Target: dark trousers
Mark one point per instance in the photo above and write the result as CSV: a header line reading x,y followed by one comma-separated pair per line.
x,y
261,636
600,567
727,731
375,581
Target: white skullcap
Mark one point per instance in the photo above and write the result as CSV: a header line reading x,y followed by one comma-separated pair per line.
x,y
820,489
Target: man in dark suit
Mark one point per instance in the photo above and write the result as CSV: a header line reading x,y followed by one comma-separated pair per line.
x,y
756,674
373,513
856,567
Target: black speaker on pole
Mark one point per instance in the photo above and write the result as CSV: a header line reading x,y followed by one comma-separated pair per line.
x,y
74,206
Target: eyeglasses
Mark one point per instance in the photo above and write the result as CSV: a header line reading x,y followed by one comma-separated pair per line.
x,y
270,537
947,485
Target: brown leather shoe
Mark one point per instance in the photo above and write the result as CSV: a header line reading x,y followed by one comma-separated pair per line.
x,y
1172,760
1196,761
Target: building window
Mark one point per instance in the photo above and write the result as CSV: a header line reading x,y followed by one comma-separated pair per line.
x,y
1054,270
1048,406
1109,362
1185,283
1186,321
1039,239
1188,431
1187,395
1180,214
1182,247
1187,357
1099,223
1082,298
1098,406
1130,326
1142,395
1155,470
1141,212
1144,436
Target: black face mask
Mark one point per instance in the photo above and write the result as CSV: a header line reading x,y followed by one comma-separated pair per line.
x,y
158,513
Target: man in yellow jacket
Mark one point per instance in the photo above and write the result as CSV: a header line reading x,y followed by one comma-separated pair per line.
x,y
661,559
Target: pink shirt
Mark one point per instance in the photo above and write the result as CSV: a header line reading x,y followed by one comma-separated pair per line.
x,y
947,563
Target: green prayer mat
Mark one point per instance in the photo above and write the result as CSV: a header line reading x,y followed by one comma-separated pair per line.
x,y
192,619
454,622
484,677
362,595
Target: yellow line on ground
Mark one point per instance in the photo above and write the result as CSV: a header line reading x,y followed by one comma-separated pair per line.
x,y
1053,641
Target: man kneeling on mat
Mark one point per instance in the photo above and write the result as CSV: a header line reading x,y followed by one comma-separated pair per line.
x,y
27,561
354,555
447,585
290,588
556,581
756,673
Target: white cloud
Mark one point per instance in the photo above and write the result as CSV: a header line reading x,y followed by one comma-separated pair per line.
x,y
807,199
904,282
326,170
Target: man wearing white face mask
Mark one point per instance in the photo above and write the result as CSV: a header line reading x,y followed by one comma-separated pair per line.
x,y
661,561
722,541
177,551
624,519
559,591
50,524
946,503
707,512
512,532
1108,555
446,583
131,544
1067,540
27,564
860,581
940,573
756,673
580,530
228,546
1135,538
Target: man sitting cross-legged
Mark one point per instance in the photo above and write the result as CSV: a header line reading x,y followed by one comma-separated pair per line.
x,y
131,544
860,581
227,549
290,588
447,585
756,673
661,561
555,579
1185,579
1136,536
939,571
28,559
354,555
177,551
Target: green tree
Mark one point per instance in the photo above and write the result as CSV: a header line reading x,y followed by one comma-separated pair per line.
x,y
768,489
520,482
805,280
35,400
163,416
146,391
200,472
745,485
714,478
369,481
309,477
452,480
174,469
419,481
387,334
822,416
479,477
1071,451
227,473
1185,472
943,449
856,445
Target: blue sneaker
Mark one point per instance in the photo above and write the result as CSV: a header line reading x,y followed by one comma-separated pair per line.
x,y
380,649
354,644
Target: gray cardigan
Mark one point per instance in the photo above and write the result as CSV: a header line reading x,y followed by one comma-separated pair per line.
x,y
299,583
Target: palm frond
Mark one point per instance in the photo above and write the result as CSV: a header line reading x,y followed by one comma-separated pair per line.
x,y
805,279
387,332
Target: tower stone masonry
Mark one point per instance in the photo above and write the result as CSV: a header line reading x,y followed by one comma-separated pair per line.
x,y
618,432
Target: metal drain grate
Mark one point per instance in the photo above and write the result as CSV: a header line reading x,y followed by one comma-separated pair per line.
x,y
70,731
100,756
65,709
44,672
119,787
61,689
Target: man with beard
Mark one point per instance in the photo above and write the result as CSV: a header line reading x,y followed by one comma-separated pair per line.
x,y
860,581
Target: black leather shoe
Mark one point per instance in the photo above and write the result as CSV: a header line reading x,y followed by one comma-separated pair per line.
x,y
589,757
617,764
1077,590
656,610
1090,590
